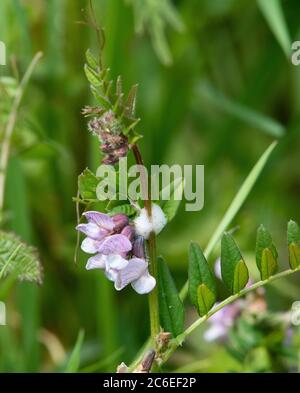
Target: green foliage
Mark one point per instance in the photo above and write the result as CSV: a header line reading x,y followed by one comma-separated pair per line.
x,y
293,237
234,270
74,360
202,284
127,209
112,99
266,253
170,306
18,258
87,184
272,11
240,197
154,15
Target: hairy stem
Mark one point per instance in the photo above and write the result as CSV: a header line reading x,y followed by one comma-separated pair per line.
x,y
11,125
153,295
182,337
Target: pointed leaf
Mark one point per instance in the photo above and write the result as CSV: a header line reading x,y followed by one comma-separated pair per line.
x,y
206,299
273,13
91,60
87,184
92,76
293,235
241,276
129,110
266,253
268,264
74,360
200,275
100,98
233,268
170,306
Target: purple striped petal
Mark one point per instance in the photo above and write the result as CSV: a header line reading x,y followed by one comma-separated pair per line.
x,y
144,284
92,230
90,246
120,221
133,271
100,219
96,262
129,232
115,244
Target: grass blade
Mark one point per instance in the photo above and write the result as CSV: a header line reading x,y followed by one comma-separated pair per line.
x,y
273,13
235,205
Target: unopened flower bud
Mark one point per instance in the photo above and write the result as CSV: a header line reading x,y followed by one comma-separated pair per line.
x,y
105,148
91,110
120,221
95,126
121,152
138,249
110,160
128,231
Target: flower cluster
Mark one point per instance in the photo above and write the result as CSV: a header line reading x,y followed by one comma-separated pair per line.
x,y
118,250
109,131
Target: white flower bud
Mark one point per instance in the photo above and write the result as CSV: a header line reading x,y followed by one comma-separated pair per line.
x,y
144,225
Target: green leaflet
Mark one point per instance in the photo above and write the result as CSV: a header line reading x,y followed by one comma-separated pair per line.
x,y
202,283
87,184
268,264
266,253
91,60
234,270
293,237
241,276
171,308
206,299
125,209
102,100
92,76
19,259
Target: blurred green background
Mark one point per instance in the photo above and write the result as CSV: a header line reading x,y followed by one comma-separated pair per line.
x,y
216,86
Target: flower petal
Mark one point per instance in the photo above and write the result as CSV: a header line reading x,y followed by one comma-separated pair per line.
x,y
144,284
102,220
133,271
115,244
90,246
92,230
98,261
114,263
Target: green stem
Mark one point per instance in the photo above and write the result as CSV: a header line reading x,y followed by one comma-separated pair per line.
x,y
182,337
153,296
12,118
